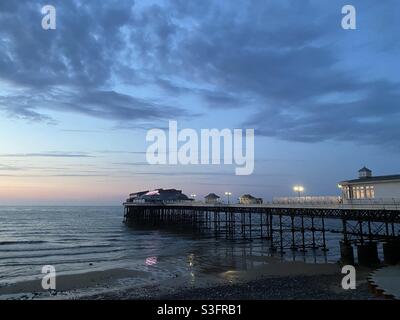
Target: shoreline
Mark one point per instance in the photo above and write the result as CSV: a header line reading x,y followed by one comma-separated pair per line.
x,y
303,284
69,286
273,280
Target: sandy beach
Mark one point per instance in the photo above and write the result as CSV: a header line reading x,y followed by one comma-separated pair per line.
x,y
68,285
272,280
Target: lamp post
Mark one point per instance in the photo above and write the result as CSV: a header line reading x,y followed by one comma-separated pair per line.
x,y
193,196
298,189
228,194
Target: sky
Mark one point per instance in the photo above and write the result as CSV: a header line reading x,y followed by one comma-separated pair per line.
x,y
77,102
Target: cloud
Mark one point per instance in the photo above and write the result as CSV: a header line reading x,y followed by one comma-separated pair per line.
x,y
121,152
301,84
46,155
76,175
372,119
138,163
83,130
51,175
4,167
285,68
69,69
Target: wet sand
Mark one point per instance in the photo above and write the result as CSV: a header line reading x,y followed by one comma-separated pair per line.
x,y
66,285
276,281
272,280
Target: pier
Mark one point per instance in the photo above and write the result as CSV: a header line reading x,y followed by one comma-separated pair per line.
x,y
287,227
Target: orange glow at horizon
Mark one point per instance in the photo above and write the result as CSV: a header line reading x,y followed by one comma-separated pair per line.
x,y
54,189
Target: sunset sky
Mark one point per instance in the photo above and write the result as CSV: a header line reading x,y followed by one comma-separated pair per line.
x,y
76,102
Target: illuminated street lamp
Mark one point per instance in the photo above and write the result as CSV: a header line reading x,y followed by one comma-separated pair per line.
x,y
228,194
193,196
298,189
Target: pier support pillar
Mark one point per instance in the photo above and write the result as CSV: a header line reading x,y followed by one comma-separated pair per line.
x,y
346,253
368,254
391,252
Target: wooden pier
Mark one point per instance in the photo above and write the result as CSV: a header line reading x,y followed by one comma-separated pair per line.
x,y
296,227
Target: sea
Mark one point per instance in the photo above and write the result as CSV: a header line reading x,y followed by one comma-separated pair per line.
x,y
83,239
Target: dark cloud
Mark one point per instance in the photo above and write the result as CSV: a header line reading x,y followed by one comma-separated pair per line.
x,y
371,119
301,81
288,60
116,106
69,68
210,98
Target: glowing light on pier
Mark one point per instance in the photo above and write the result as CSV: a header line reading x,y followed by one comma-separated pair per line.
x,y
298,189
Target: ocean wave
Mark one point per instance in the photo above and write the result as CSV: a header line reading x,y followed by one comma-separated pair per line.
x,y
51,254
3,243
53,248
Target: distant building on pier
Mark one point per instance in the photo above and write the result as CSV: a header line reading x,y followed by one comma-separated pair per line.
x,y
249,199
369,187
158,195
211,198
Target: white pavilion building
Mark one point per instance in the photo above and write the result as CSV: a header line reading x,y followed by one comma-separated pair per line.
x,y
369,187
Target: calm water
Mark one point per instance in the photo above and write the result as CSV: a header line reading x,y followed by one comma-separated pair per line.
x,y
81,239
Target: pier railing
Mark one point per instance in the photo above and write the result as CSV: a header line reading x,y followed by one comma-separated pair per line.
x,y
379,203
392,204
332,200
